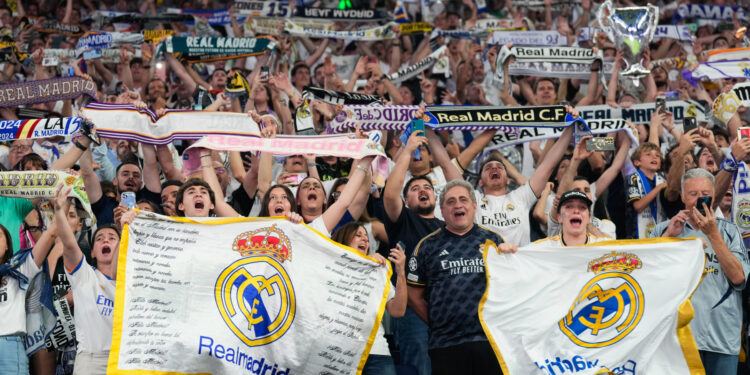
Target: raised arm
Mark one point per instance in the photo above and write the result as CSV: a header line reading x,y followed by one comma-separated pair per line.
x,y
90,180
674,176
609,175
209,175
150,169
359,177
72,254
545,168
475,147
181,72
392,192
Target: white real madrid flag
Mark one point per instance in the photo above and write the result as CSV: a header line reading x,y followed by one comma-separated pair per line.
x,y
242,296
618,307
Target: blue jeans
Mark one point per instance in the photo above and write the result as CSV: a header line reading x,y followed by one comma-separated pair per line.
x,y
410,334
13,359
718,363
379,365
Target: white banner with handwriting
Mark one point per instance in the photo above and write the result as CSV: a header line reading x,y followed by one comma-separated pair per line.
x,y
614,307
242,296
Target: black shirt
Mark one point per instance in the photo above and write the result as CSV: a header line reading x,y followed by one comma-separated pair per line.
x,y
410,228
104,208
451,270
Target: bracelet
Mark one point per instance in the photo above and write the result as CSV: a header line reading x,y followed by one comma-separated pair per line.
x,y
206,156
80,146
312,164
361,168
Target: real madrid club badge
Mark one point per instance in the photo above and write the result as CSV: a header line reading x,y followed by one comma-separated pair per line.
x,y
609,306
254,294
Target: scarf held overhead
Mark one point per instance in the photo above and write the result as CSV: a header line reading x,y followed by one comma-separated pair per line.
x,y
45,90
370,34
340,97
524,135
39,128
484,117
334,145
120,121
43,184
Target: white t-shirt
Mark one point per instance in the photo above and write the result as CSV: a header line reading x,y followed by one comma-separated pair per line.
x,y
380,346
13,300
507,214
556,241
320,225
94,299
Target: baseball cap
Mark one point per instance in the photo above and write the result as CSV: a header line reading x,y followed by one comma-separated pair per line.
x,y
574,194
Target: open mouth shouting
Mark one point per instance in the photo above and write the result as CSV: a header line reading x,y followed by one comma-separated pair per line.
x,y
423,197
106,250
312,197
199,205
278,210
130,185
459,214
576,222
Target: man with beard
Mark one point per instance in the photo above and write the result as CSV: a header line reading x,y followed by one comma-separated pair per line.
x,y
128,178
409,226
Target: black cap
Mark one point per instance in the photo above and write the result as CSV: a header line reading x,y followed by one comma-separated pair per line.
x,y
574,194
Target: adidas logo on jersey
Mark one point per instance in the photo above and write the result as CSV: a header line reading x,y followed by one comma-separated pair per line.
x,y
444,253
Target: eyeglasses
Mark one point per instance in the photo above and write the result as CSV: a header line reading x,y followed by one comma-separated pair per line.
x,y
20,148
33,228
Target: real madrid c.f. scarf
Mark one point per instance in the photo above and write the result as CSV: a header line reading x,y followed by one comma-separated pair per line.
x,y
45,90
210,48
483,117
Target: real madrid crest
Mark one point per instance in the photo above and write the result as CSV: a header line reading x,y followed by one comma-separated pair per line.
x,y
254,294
609,306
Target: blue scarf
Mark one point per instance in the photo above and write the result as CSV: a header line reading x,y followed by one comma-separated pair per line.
x,y
49,314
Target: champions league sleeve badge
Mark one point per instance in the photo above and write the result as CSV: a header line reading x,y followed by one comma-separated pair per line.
x,y
254,294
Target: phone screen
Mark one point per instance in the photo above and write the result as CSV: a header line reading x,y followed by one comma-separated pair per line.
x,y
700,202
128,199
689,124
661,105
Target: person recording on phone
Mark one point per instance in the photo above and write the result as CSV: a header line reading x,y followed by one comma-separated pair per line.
x,y
718,300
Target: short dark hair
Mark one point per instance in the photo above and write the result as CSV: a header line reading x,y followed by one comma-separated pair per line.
x,y
550,79
414,179
493,157
168,183
32,158
267,197
299,66
152,80
102,227
128,162
188,184
8,241
108,186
